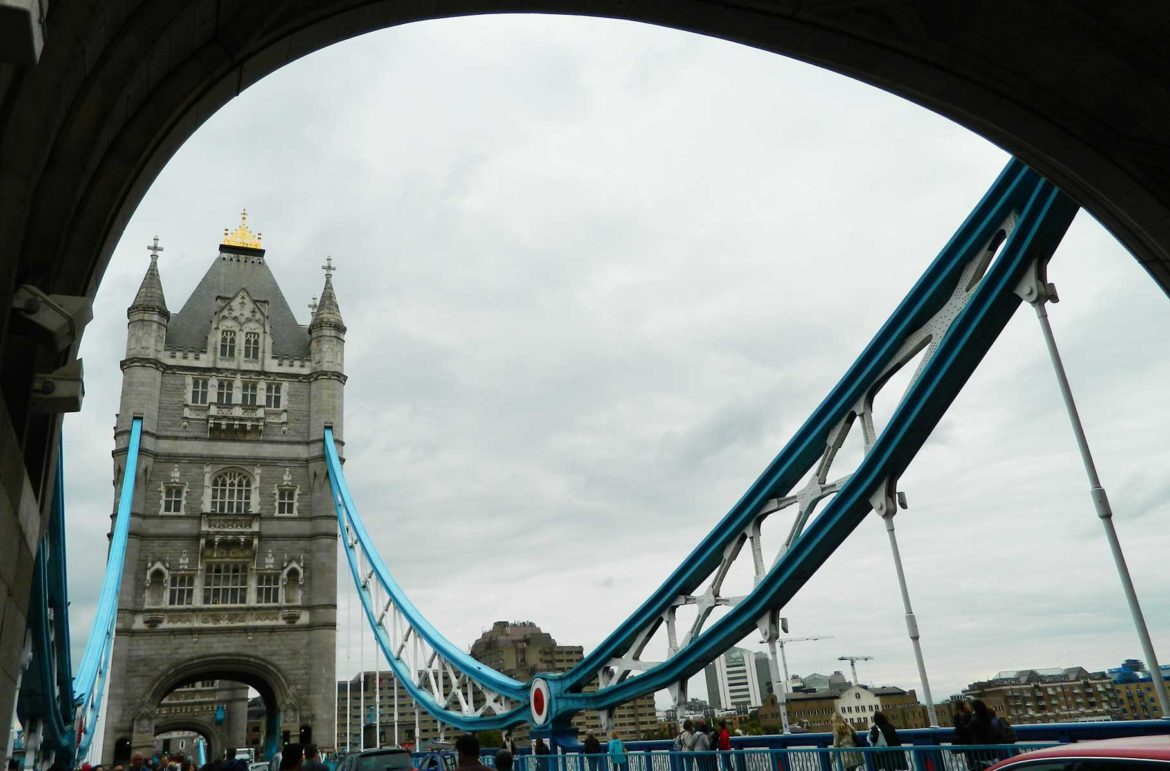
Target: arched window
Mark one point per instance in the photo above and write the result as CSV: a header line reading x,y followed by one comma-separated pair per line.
x,y
231,493
252,345
227,344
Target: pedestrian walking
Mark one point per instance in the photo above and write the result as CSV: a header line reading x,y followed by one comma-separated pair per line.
x,y
592,749
540,750
704,758
981,730
723,742
844,738
467,750
883,734
617,753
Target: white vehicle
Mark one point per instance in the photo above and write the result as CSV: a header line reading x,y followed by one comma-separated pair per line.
x,y
245,753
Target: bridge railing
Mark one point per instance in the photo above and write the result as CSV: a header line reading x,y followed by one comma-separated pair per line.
x,y
945,757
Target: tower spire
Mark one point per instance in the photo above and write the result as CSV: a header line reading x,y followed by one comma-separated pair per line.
x,y
327,312
150,293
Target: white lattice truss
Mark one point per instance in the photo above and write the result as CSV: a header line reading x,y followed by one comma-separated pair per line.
x,y
431,677
818,487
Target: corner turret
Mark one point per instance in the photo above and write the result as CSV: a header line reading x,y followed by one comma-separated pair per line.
x,y
148,314
327,356
146,333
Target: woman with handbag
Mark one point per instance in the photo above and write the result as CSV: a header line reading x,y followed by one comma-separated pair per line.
x,y
843,737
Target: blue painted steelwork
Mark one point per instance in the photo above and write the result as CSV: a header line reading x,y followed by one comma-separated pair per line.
x,y
45,705
90,681
358,544
1044,216
1022,216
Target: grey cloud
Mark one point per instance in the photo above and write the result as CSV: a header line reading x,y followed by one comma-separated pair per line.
x,y
595,274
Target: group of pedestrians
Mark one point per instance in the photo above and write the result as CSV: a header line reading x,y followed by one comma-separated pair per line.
x,y
977,724
706,743
881,734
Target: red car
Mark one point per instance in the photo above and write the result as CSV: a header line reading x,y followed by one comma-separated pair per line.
x,y
1134,753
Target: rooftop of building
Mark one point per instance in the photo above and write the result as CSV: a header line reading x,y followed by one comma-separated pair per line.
x,y
239,265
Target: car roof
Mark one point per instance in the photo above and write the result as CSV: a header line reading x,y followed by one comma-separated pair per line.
x,y
1130,747
381,751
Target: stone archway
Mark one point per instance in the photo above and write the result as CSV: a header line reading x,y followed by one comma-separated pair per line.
x,y
268,679
216,742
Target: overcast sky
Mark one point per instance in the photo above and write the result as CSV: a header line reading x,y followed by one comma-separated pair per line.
x,y
595,274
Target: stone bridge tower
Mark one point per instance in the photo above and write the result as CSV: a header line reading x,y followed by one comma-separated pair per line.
x,y
231,566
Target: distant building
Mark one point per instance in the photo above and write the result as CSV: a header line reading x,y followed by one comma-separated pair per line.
x,y
365,709
1134,686
817,682
813,710
521,649
1071,694
734,680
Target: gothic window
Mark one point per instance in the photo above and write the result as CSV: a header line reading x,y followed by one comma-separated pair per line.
x,y
199,390
172,499
268,588
223,392
225,583
272,396
231,493
248,393
252,345
182,589
227,344
286,500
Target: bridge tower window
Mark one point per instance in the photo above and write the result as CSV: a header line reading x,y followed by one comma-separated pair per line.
x,y
231,493
224,391
225,583
268,588
227,344
252,345
182,590
248,391
286,501
199,390
173,499
272,395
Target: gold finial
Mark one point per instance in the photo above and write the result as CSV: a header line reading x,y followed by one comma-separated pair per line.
x,y
242,236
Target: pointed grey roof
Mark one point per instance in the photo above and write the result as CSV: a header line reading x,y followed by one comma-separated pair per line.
x,y
328,312
150,292
237,268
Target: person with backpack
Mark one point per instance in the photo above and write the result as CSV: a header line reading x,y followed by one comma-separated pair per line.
x,y
1007,734
983,729
883,734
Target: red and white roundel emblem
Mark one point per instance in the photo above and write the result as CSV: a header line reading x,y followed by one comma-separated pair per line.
x,y
540,699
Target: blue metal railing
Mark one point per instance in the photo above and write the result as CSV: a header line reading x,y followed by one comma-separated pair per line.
x,y
905,758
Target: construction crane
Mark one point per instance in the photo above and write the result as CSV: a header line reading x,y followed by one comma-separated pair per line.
x,y
782,641
774,640
853,664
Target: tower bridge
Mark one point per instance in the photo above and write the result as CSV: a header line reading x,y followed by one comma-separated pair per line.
x,y
199,524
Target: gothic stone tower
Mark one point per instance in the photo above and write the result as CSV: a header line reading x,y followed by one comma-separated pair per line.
x,y
231,566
